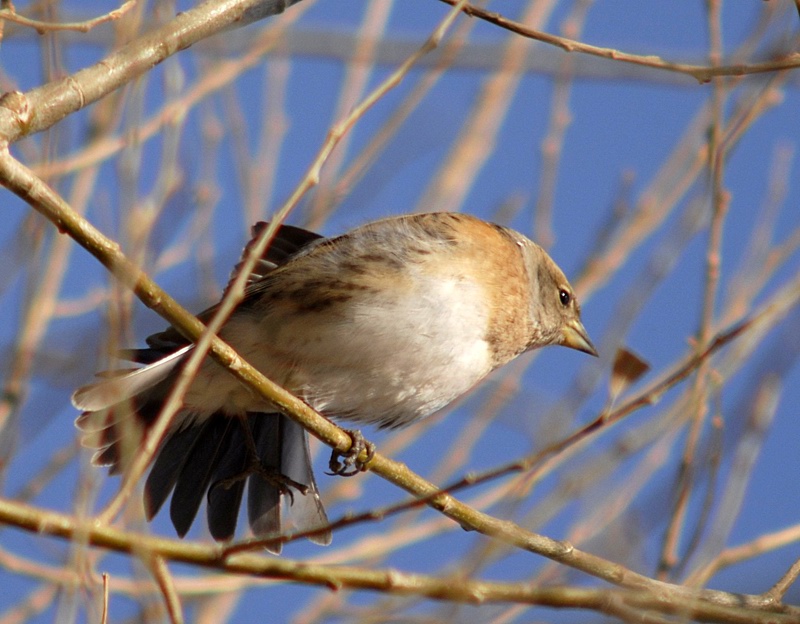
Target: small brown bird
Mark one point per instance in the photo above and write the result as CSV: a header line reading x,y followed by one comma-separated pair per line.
x,y
383,325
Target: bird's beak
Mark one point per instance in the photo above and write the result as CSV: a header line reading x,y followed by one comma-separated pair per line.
x,y
574,336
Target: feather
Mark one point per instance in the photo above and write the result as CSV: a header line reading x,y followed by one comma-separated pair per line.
x,y
289,241
195,474
109,392
307,511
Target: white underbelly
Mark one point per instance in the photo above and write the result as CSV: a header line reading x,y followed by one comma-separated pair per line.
x,y
383,358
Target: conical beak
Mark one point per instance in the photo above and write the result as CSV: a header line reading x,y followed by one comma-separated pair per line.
x,y
575,336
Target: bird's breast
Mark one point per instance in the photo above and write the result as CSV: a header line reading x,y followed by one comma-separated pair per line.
x,y
385,356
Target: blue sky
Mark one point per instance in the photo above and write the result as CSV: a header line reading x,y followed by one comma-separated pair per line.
x,y
624,124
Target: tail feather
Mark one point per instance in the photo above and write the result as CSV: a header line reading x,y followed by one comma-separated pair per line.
x,y
195,459
167,467
195,475
116,432
114,390
119,409
94,423
223,502
307,511
264,499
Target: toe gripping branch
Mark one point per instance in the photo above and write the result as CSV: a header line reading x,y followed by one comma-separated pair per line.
x,y
348,464
257,468
273,476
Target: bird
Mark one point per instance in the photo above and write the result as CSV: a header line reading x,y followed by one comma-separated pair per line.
x,y
383,325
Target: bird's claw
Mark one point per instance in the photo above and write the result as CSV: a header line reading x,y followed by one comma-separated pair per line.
x,y
272,476
351,464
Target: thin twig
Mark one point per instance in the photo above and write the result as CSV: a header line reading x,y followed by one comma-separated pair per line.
x,y
11,15
701,73
158,568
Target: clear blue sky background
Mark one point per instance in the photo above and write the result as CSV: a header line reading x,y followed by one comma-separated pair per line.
x,y
624,124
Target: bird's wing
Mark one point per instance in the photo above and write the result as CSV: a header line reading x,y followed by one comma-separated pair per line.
x,y
288,242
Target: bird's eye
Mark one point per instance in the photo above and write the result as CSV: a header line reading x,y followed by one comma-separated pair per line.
x,y
565,297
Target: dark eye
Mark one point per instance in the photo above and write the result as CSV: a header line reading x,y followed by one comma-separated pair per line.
x,y
565,297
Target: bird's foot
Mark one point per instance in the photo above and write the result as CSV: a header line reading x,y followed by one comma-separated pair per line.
x,y
271,475
351,464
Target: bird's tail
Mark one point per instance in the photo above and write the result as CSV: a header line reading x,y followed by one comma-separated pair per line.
x,y
208,458
203,456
